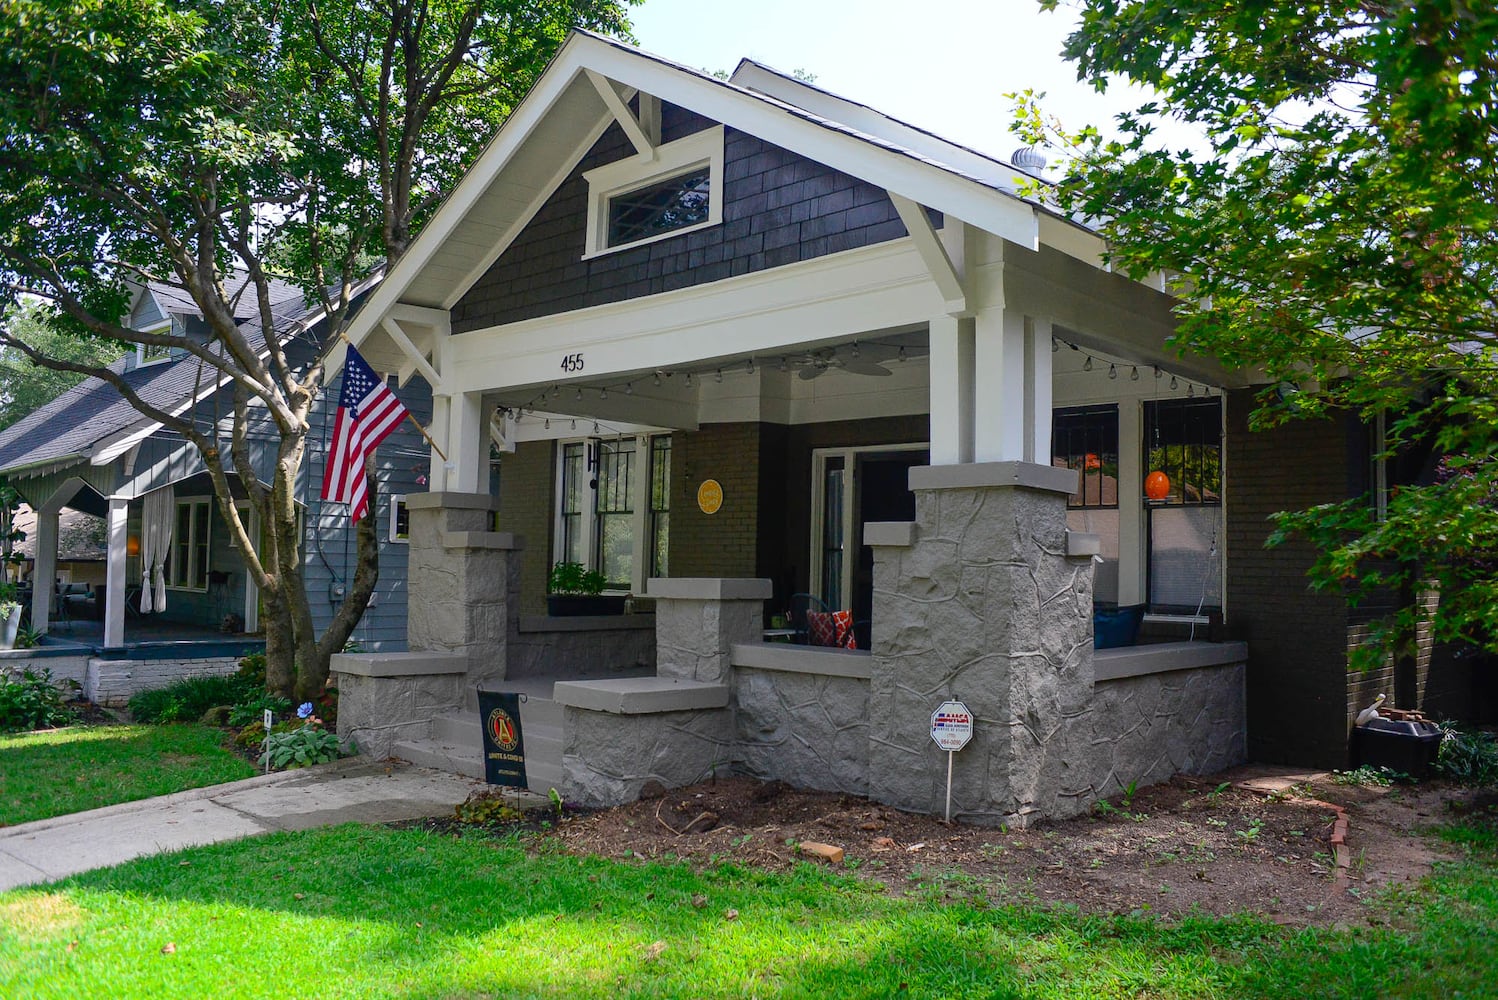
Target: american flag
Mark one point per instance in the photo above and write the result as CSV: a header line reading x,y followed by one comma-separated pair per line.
x,y
367,414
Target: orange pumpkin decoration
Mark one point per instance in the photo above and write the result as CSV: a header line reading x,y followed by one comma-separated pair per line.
x,y
1157,485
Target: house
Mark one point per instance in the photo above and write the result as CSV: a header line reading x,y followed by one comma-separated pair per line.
x,y
90,451
754,347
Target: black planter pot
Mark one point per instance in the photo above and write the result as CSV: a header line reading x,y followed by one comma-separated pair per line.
x,y
578,605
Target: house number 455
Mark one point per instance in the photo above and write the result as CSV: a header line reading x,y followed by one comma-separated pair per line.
x,y
572,362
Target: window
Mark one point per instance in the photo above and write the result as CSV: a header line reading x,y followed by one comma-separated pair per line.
x,y
400,519
187,569
660,504
1085,438
1183,439
614,534
606,507
633,202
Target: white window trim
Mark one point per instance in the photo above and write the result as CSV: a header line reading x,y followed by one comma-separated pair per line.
x,y
192,548
703,148
639,502
397,501
851,545
141,361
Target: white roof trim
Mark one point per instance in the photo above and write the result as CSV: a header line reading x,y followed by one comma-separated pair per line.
x,y
877,160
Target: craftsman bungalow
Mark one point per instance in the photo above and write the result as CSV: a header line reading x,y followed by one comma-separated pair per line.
x,y
755,348
90,451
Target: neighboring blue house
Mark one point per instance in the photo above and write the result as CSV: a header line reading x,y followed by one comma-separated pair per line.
x,y
90,450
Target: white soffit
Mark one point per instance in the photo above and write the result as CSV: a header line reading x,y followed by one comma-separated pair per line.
x,y
563,116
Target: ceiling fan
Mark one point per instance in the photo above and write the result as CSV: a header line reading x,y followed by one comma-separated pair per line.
x,y
859,359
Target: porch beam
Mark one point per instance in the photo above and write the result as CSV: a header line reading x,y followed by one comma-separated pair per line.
x,y
114,573
946,274
416,355
626,119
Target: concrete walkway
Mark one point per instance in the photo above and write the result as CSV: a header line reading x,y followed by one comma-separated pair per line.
x,y
353,790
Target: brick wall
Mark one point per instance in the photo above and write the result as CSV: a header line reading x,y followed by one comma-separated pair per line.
x,y
527,483
778,208
724,544
1297,675
112,682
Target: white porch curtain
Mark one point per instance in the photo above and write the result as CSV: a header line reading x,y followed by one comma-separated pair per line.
x,y
157,518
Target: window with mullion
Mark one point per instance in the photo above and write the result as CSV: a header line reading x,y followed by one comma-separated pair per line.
x,y
660,504
573,484
1085,438
674,203
614,539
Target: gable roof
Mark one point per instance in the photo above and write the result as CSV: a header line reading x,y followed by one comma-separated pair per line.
x,y
563,115
86,421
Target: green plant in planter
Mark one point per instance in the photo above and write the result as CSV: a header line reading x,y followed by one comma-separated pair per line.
x,y
570,578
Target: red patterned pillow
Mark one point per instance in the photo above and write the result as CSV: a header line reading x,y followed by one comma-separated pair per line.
x,y
831,628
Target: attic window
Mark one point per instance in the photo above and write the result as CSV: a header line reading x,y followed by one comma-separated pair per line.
x,y
633,201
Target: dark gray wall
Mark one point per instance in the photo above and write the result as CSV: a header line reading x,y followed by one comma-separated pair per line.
x,y
778,208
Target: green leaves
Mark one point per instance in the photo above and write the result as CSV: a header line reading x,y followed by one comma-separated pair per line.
x,y
1337,225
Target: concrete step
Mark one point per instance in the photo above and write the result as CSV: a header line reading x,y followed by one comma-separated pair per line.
x,y
465,727
461,759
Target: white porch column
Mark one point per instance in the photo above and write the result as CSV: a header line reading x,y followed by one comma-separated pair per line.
x,y
114,572
952,379
1012,397
44,572
467,444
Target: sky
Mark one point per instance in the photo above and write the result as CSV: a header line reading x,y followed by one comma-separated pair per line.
x,y
943,65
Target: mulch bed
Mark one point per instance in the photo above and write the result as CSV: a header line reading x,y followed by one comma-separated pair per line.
x,y
1191,845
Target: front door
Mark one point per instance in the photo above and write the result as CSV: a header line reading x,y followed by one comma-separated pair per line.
x,y
879,491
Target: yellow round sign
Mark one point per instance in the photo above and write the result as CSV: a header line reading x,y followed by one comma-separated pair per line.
x,y
709,496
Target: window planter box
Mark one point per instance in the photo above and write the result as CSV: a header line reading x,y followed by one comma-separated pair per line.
x,y
578,605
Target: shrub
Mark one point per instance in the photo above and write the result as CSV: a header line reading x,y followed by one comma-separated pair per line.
x,y
188,699
311,744
31,701
251,711
1467,756
252,668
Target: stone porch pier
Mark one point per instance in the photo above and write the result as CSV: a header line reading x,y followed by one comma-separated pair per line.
x,y
985,599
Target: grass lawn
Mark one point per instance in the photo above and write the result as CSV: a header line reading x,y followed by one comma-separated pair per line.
x,y
371,912
84,767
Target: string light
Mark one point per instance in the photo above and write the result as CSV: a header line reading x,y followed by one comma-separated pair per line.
x,y
1112,371
603,393
1055,345
901,355
1134,375
785,363
1190,391
548,423
689,380
719,376
1172,381
1087,365
749,368
657,378
595,427
579,395
629,388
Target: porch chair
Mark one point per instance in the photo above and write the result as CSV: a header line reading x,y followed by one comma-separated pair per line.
x,y
796,615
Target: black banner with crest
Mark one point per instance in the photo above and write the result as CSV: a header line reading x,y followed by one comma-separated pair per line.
x,y
504,747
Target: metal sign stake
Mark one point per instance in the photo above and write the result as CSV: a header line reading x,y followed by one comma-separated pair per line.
x,y
950,755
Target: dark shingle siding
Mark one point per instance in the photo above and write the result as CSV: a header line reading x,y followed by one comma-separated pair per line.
x,y
779,208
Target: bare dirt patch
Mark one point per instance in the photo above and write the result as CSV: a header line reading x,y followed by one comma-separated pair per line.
x,y
1203,845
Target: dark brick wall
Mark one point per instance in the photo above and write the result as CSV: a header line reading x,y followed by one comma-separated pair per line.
x,y
778,208
1297,674
527,487
722,544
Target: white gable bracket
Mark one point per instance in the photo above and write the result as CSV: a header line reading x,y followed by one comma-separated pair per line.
x,y
933,254
633,127
413,352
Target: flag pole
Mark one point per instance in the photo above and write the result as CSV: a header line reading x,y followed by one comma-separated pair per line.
x,y
409,415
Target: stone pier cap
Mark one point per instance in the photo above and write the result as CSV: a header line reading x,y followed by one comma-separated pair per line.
x,y
640,695
972,475
708,588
